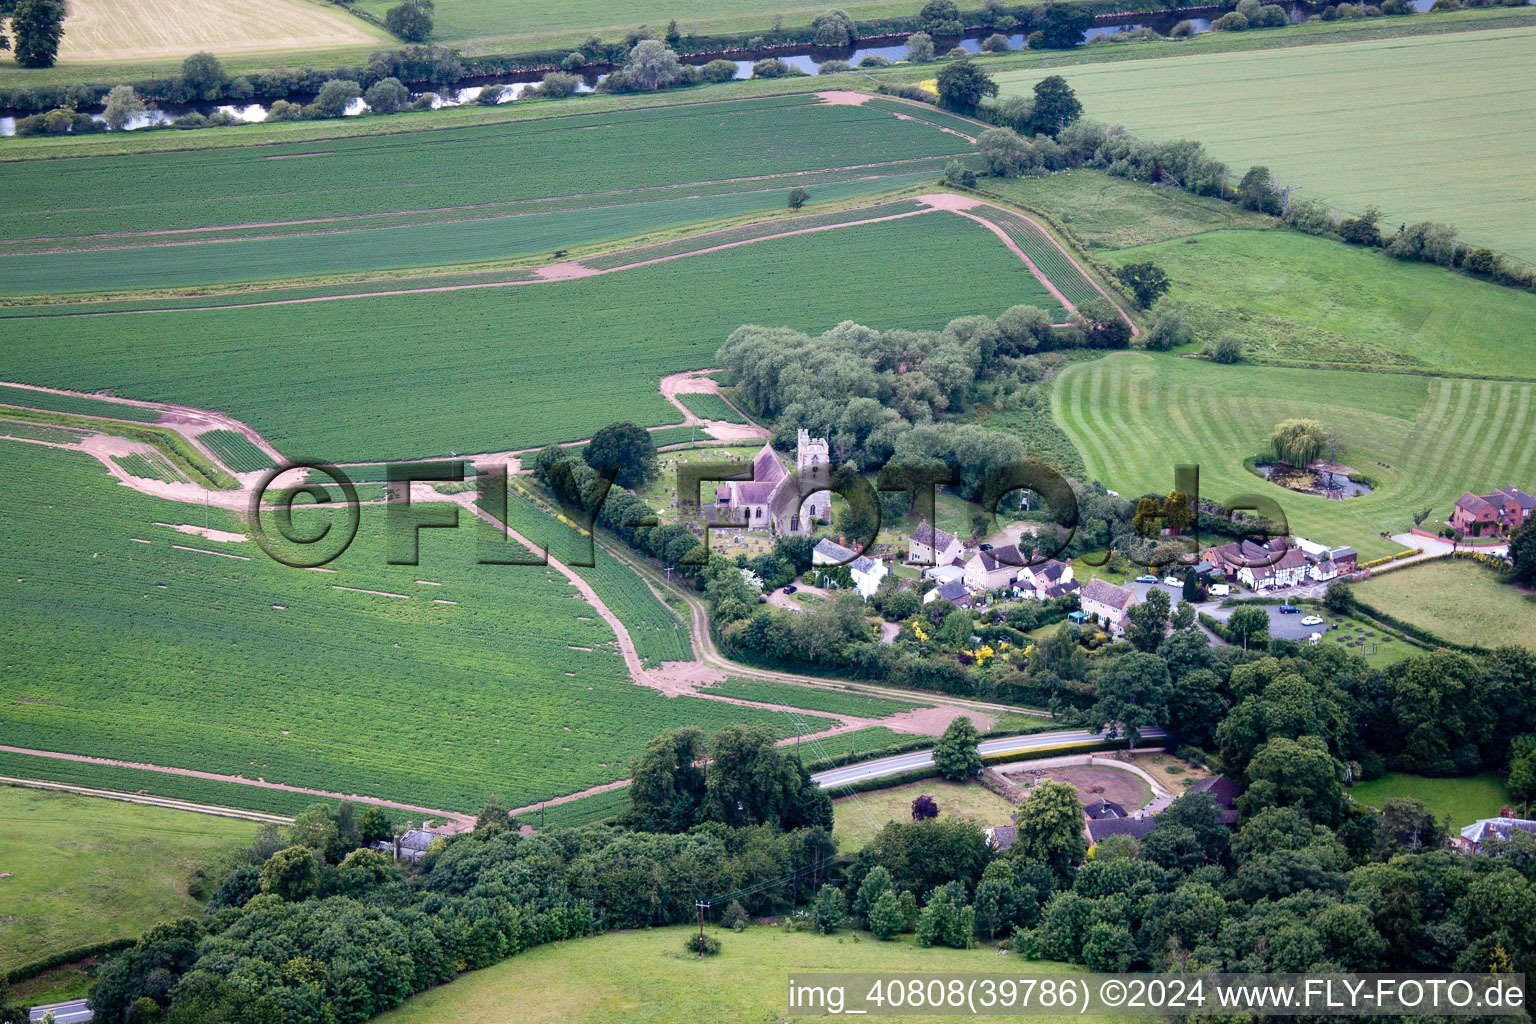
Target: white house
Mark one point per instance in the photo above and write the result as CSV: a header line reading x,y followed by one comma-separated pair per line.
x,y
1288,570
1042,582
993,570
1107,603
954,592
931,546
866,572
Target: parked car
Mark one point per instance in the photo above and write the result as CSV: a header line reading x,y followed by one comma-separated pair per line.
x,y
1146,579
1312,620
791,589
1220,589
1172,581
1289,609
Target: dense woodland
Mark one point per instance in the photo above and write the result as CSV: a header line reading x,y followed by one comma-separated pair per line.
x,y
305,927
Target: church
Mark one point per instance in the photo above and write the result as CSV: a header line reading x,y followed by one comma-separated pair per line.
x,y
771,501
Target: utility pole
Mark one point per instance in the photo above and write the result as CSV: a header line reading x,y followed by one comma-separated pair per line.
x,y
702,907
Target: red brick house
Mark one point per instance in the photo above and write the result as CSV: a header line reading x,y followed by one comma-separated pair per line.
x,y
1499,513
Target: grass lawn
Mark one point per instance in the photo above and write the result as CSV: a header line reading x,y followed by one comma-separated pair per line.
x,y
645,977
1302,113
1465,800
1294,297
1106,212
84,870
857,818
1135,416
1459,601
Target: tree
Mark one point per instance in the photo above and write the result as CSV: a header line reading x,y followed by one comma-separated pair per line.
x,y
996,899
876,884
955,754
887,917
1522,769
942,923
920,48
1301,774
625,448
1050,829
1298,442
667,787
1227,350
1184,616
1102,324
37,27
830,911
962,86
995,43
1145,280
1408,826
747,781
1189,592
942,18
315,828
1362,230
336,96
798,197
833,28
204,76
387,96
1056,106
493,818
1133,691
1004,152
123,105
411,21
293,874
374,827
1257,192
651,65
1149,620
924,808
1249,625
1522,550
1062,26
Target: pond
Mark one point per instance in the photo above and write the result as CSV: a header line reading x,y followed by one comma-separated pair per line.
x,y
1334,486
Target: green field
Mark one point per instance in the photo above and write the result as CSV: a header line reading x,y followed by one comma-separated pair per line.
x,y
1046,255
150,466
1303,111
813,698
1463,800
272,672
645,977
1135,416
236,451
711,407
1456,600
82,871
857,818
1297,298
419,375
1106,212
75,405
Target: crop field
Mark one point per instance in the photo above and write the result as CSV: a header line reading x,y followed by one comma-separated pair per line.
x,y
676,435
150,466
515,690
810,697
75,405
137,780
1459,601
1106,212
645,977
709,406
116,30
565,156
1465,800
41,432
1047,255
366,245
503,368
236,451
94,870
1301,114
1293,297
1135,416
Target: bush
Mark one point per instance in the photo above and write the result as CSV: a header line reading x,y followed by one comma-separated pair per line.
x,y
1183,30
282,110
490,96
957,53
1270,16
387,96
833,28
1170,327
770,68
874,60
1232,21
410,21
957,173
557,85
718,71
1228,349
336,96
702,944
920,48
833,67
995,43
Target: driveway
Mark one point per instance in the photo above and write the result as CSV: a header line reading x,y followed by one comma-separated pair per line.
x,y
1439,546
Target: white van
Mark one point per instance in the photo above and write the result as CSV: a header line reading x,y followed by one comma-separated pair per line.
x,y
1220,589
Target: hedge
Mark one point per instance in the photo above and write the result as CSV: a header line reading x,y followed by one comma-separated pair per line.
x,y
68,956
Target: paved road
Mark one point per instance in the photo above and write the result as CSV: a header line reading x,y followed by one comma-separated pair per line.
x,y
924,758
64,1013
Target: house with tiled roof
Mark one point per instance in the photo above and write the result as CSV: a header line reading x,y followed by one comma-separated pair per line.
x,y
1289,570
1099,829
993,570
1102,808
771,502
1498,513
930,545
1051,578
865,571
1230,559
954,592
1000,837
1479,832
1107,603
